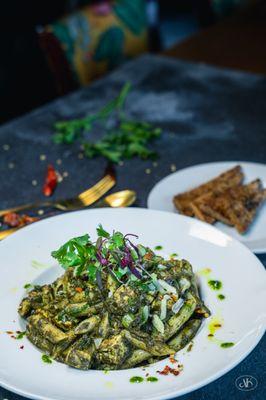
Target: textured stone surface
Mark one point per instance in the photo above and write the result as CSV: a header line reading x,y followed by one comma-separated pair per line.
x,y
207,114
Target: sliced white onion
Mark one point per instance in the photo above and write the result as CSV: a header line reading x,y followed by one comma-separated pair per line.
x,y
145,314
97,342
184,284
176,307
166,287
164,306
157,323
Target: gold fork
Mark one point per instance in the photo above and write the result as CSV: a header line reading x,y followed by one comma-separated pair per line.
x,y
84,199
125,198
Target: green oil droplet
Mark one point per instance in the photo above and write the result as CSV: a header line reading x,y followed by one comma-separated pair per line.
x,y
136,379
215,285
152,379
226,345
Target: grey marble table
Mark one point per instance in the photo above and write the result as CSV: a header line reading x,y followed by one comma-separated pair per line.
x,y
207,114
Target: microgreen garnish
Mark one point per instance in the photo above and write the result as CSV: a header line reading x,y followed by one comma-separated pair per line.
x,y
112,253
123,138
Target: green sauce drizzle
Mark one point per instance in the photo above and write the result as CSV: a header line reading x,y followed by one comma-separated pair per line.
x,y
221,296
158,247
46,359
227,344
27,286
136,379
152,379
215,285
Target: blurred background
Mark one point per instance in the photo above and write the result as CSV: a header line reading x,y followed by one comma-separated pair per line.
x,y
49,48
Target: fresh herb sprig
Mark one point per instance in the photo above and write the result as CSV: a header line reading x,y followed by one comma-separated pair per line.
x,y
125,140
113,254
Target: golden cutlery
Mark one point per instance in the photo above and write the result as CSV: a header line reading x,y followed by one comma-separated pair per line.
x,y
84,199
125,198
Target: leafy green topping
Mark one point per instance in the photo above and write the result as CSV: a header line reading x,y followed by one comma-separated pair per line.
x,y
159,247
114,254
123,139
46,359
73,253
101,232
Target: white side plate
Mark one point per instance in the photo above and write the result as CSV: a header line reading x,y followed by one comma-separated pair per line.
x,y
161,196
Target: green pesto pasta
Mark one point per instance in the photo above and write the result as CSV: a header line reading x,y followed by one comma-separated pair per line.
x,y
117,305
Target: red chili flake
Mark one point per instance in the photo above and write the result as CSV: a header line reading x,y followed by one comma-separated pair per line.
x,y
13,336
172,360
147,374
168,370
50,181
165,371
22,347
210,335
79,289
175,371
9,332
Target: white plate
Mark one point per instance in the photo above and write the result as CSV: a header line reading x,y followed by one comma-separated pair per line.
x,y
161,196
25,257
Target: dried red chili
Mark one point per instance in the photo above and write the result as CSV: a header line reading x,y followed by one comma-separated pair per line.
x,y
11,219
50,181
165,371
14,219
168,370
172,360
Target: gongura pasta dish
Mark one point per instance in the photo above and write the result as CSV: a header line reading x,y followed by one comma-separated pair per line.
x,y
118,305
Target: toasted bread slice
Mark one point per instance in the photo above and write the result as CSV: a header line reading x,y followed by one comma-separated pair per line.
x,y
235,207
200,214
219,184
243,213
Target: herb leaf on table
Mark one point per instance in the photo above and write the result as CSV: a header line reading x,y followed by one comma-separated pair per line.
x,y
123,140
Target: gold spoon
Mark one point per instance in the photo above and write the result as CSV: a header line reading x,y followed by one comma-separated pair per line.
x,y
125,198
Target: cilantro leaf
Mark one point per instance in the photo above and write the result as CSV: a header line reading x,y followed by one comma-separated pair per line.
x,y
73,252
123,139
101,232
